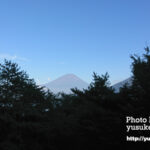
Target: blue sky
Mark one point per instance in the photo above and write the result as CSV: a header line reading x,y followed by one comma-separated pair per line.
x,y
50,38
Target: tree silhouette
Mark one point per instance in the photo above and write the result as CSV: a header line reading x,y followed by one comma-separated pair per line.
x,y
31,118
16,89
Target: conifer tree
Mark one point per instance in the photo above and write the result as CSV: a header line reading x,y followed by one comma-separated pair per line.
x,y
16,87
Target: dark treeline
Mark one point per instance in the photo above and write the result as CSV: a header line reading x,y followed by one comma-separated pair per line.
x,y
34,119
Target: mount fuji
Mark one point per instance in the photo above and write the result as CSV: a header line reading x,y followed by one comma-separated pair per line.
x,y
65,83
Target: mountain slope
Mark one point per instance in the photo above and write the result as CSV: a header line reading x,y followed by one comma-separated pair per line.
x,y
65,83
117,86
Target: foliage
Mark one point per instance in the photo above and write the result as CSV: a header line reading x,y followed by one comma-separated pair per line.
x,y
32,118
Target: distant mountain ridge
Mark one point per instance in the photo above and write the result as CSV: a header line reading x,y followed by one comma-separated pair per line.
x,y
65,83
118,85
68,81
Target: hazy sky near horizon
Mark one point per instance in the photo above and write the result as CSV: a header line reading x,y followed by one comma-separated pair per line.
x,y
50,38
